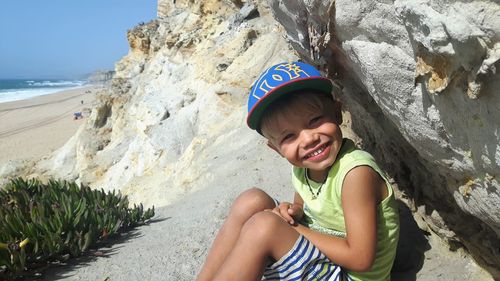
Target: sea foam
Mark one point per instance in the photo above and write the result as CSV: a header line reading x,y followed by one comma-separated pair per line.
x,y
16,89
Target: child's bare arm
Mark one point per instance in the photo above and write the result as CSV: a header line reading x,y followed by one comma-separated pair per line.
x,y
297,199
360,195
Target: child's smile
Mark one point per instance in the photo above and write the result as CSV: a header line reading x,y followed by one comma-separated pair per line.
x,y
319,153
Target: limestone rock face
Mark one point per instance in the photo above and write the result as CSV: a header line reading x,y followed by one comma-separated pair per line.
x,y
101,76
173,118
421,81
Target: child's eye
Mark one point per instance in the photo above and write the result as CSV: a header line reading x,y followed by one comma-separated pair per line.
x,y
287,137
315,119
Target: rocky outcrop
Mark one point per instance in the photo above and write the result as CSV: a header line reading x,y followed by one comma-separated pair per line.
x,y
100,76
175,107
421,82
419,78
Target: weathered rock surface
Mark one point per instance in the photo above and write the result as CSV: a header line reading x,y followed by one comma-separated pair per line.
x,y
100,76
419,78
173,119
422,85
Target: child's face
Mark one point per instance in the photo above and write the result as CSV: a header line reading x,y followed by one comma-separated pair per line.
x,y
308,138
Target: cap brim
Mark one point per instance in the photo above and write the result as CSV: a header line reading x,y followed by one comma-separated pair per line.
x,y
313,83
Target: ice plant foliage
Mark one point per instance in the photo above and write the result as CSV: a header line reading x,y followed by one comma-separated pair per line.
x,y
41,222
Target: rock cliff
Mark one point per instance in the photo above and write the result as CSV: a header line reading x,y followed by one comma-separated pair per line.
x,y
173,118
419,78
100,76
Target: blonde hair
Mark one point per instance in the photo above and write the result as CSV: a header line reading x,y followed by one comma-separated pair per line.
x,y
310,101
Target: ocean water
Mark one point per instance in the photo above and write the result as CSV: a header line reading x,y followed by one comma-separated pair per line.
x,y
20,89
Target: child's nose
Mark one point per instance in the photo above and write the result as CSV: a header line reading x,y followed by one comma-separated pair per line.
x,y
308,138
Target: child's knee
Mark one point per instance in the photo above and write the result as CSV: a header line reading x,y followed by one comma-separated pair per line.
x,y
250,202
263,225
274,236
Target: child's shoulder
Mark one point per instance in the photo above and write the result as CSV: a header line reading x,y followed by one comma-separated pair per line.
x,y
349,151
350,157
356,154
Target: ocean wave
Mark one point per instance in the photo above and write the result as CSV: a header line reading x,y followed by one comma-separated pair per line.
x,y
23,94
61,83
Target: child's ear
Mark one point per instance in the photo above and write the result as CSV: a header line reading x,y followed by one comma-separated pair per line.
x,y
271,145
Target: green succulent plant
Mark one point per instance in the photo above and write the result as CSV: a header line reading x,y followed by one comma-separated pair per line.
x,y
41,222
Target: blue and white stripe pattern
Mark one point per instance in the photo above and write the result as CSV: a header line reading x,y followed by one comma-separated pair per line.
x,y
304,262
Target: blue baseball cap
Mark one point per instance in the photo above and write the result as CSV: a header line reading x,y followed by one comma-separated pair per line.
x,y
278,80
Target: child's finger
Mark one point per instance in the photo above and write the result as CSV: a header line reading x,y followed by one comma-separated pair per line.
x,y
290,213
278,212
284,212
275,210
295,211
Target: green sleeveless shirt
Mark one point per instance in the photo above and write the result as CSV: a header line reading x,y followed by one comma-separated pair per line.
x,y
325,214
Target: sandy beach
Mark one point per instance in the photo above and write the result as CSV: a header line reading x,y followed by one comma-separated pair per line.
x,y
32,128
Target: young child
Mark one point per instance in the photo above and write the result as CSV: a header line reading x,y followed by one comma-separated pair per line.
x,y
343,223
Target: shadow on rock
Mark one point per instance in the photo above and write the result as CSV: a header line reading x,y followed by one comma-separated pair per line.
x,y
411,248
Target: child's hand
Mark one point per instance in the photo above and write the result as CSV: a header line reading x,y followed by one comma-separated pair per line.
x,y
290,212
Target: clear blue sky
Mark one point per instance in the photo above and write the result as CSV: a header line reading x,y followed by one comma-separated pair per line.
x,y
64,38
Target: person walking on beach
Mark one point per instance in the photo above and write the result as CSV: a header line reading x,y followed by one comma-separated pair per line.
x,y
343,223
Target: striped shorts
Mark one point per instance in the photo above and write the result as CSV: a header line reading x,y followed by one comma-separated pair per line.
x,y
304,262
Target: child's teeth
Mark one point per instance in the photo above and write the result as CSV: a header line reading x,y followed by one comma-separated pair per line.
x,y
316,152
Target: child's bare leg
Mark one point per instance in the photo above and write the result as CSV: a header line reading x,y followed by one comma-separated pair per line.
x,y
264,237
244,207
